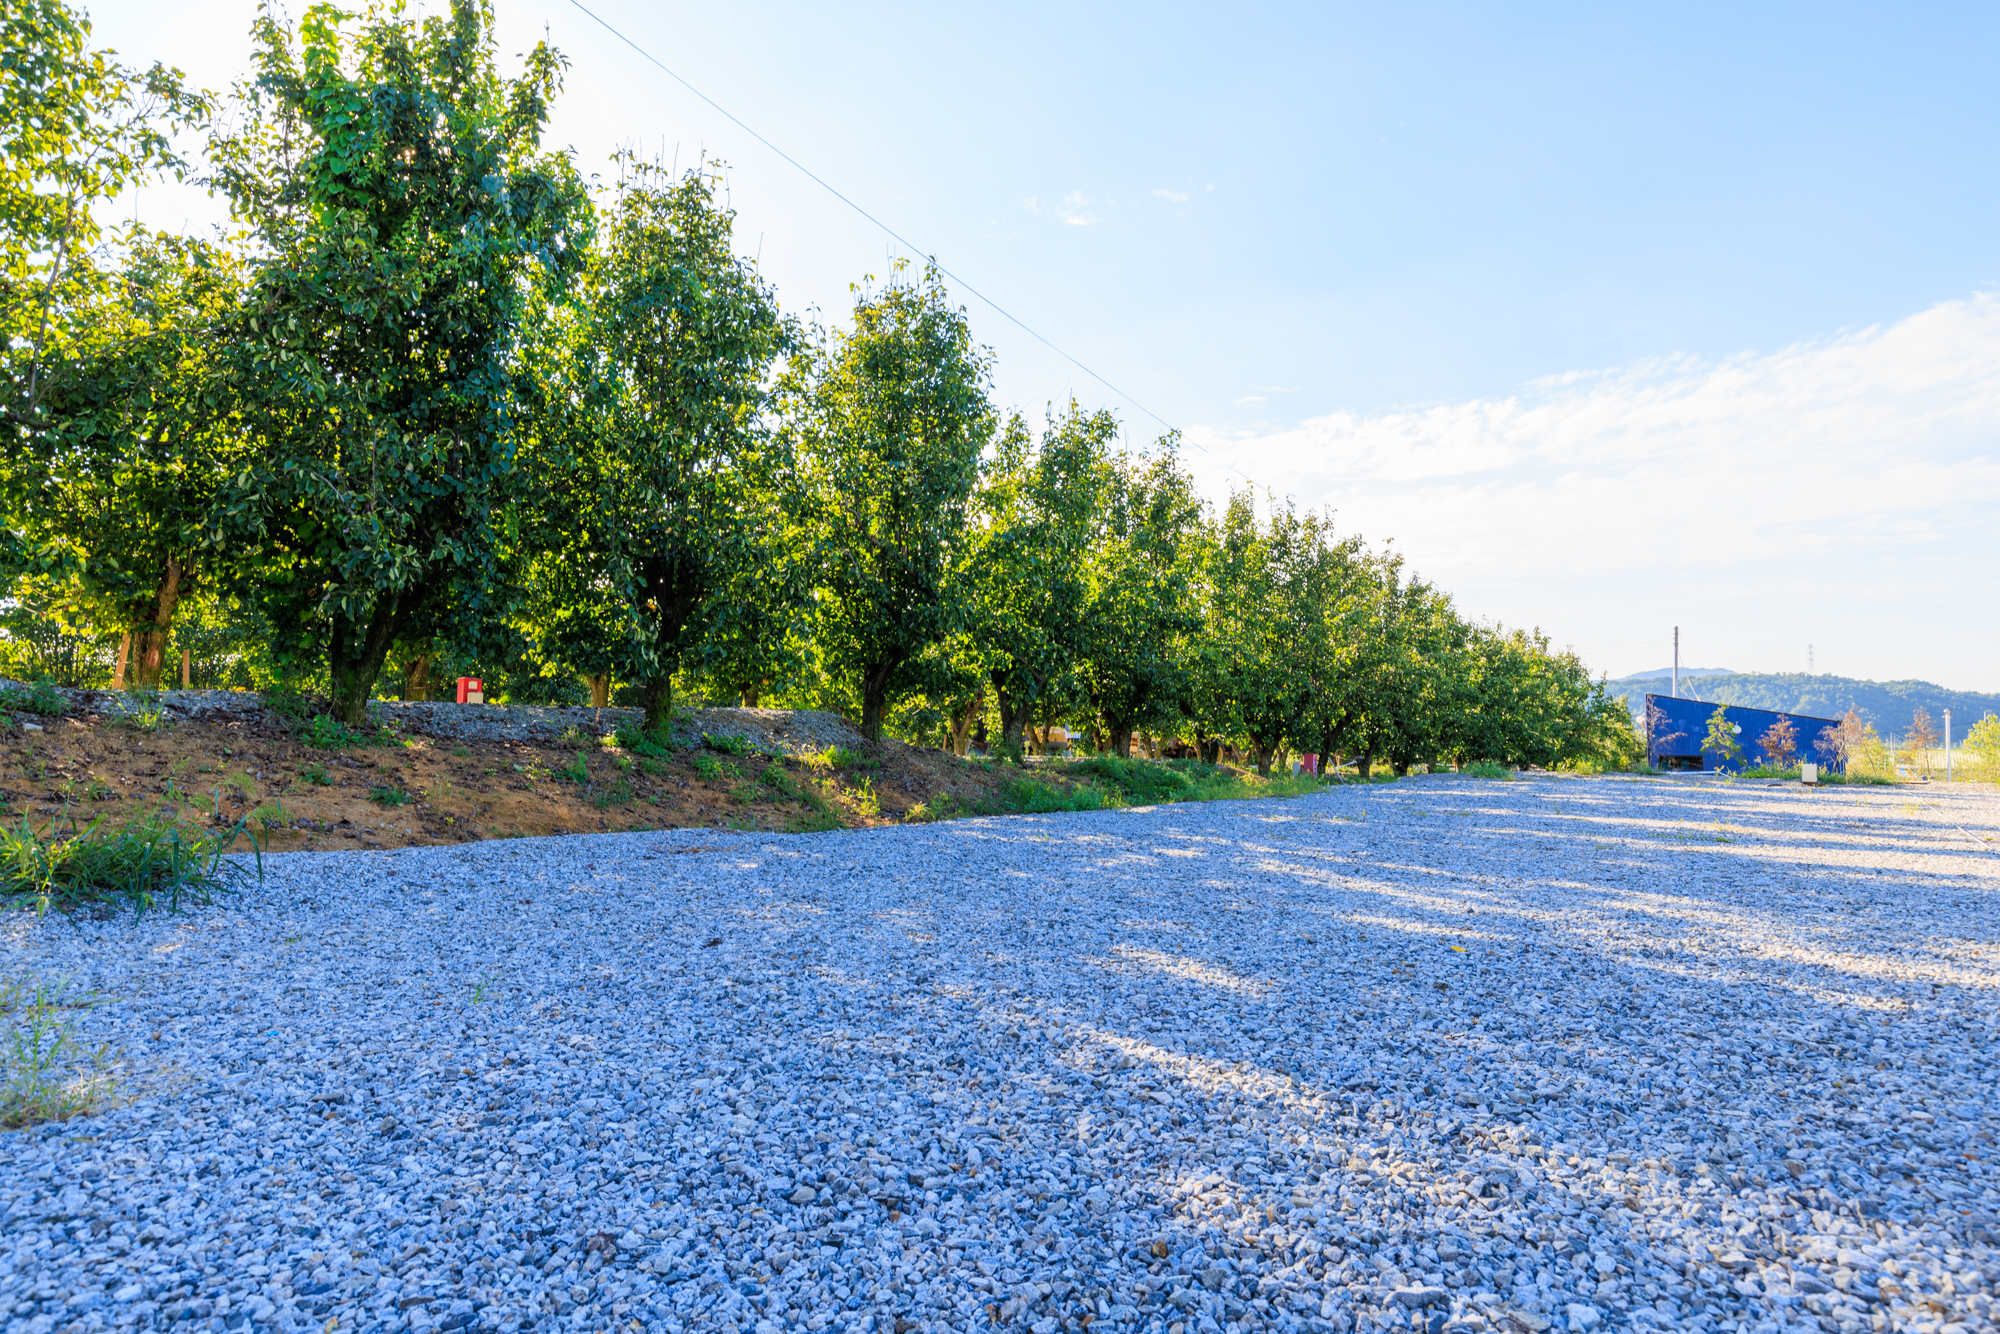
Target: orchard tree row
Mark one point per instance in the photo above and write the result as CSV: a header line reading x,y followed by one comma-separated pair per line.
x,y
438,402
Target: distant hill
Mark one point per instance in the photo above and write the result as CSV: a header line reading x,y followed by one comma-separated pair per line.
x,y
1668,672
1886,704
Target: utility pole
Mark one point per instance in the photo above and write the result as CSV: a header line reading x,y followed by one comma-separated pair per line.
x,y
1947,745
1677,662
1810,669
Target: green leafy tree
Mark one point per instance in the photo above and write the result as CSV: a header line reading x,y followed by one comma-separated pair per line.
x,y
76,129
124,491
401,215
663,541
1721,738
890,418
1025,569
1142,610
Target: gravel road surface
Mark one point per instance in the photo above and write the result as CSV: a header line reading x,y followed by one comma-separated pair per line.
x,y
1560,1054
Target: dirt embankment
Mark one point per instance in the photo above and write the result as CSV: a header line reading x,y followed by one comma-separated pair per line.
x,y
464,776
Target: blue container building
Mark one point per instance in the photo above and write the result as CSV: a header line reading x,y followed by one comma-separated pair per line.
x,y
1677,728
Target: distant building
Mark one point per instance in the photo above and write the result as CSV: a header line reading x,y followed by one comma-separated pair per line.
x,y
1676,730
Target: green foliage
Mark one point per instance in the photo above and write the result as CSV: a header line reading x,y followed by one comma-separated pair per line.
x,y
617,794
325,732
316,775
840,759
1139,782
889,420
658,527
1721,739
728,745
49,1073
388,796
41,699
710,767
576,771
1485,769
390,183
636,739
154,862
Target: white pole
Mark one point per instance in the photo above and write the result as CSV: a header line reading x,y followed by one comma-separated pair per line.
x,y
1947,745
1677,662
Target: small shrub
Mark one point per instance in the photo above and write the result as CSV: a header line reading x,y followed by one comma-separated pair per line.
x,y
576,770
774,776
1485,769
573,736
649,765
41,699
617,794
388,796
49,1074
865,799
1141,782
632,737
326,732
286,701
710,767
143,714
316,774
271,815
837,758
1029,795
152,862
728,745
460,752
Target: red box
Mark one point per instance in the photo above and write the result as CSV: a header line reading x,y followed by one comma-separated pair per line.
x,y
471,690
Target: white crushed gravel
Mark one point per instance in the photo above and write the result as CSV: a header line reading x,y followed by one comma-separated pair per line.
x,y
1447,1054
787,731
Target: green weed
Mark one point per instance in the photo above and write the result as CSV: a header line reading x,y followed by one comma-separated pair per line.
x,y
1485,769
617,794
316,774
632,737
41,699
573,736
326,732
50,1074
153,862
388,796
286,701
728,745
710,767
576,770
837,758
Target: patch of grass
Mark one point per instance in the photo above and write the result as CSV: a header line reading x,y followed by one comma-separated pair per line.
x,y
144,714
157,861
49,1074
1138,782
1766,771
632,737
41,699
865,800
728,745
325,732
710,767
650,765
316,774
573,736
837,758
1857,780
272,815
286,701
1486,769
775,777
388,796
460,752
617,794
577,771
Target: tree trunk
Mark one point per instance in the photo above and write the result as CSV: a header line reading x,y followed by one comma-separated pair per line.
x,y
1013,720
151,637
875,698
124,652
600,690
748,694
961,724
1401,768
1121,742
417,678
356,658
1363,763
1263,760
656,697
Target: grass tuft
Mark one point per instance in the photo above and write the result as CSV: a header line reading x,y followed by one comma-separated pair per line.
x,y
388,796
1486,769
154,862
728,745
49,1074
41,699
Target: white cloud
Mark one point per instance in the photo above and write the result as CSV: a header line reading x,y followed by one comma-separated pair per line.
x,y
1249,398
1075,210
1173,195
1833,491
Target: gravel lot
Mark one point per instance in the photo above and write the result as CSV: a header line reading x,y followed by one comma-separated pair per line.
x,y
1558,1053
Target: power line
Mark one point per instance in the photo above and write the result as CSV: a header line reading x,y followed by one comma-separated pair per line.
x,y
913,248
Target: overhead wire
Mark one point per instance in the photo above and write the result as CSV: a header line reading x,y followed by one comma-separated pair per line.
x,y
820,181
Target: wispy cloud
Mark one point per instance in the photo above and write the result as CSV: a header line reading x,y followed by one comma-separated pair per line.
x,y
1249,398
1175,195
1074,208
1833,475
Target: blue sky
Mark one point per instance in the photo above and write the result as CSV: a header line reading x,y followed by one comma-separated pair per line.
x,y
1613,318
